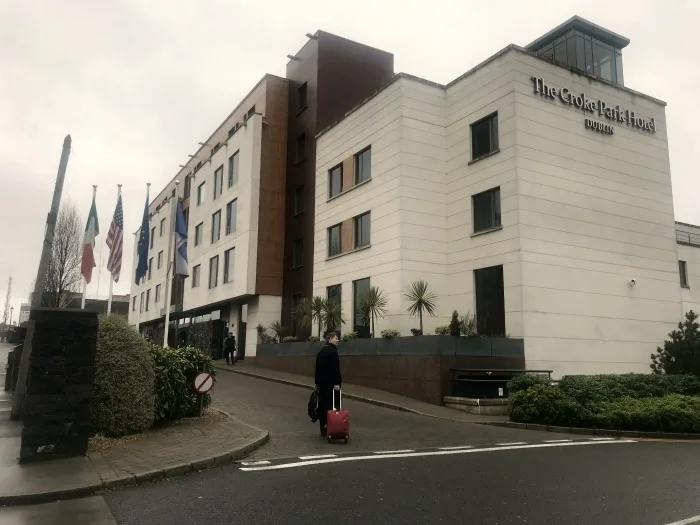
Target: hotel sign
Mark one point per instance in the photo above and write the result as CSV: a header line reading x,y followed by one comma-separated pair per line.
x,y
600,108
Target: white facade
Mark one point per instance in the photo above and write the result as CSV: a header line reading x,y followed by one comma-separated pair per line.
x,y
583,213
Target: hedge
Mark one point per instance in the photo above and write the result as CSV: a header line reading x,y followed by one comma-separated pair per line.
x,y
525,381
122,399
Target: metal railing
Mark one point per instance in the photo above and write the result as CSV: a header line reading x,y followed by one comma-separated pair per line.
x,y
691,239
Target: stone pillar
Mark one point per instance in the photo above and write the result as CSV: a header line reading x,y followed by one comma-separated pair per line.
x,y
56,410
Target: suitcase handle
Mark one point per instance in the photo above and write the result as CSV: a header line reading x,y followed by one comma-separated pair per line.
x,y
340,399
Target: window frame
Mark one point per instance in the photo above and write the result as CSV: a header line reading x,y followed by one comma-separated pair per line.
x,y
214,261
357,228
331,171
231,216
302,97
218,182
340,239
494,146
496,214
160,259
229,261
156,299
162,227
153,237
356,314
299,200
196,275
301,139
215,231
298,252
233,167
201,193
683,273
150,268
358,164
148,299
199,234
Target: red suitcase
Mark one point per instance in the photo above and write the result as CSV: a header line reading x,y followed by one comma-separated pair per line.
x,y
338,422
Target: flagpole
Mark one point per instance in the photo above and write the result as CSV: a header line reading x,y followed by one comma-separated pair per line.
x,y
82,301
172,243
111,275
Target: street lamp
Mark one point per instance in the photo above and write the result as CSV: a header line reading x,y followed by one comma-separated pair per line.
x,y
12,310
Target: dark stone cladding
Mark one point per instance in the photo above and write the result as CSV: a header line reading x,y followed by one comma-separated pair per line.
x,y
56,410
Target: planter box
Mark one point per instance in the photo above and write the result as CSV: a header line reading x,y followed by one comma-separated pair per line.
x,y
482,407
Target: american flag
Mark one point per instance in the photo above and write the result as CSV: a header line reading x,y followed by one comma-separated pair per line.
x,y
115,241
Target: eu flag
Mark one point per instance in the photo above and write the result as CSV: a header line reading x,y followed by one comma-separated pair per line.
x,y
142,249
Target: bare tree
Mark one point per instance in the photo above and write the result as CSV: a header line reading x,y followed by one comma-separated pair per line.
x,y
63,274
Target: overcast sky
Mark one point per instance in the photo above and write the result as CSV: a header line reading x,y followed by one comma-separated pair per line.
x,y
138,83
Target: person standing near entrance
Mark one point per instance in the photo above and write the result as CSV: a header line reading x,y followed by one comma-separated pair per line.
x,y
327,377
230,349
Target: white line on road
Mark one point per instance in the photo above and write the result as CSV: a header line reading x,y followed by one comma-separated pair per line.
x,y
601,439
251,463
511,444
393,451
321,456
433,453
558,440
687,521
463,447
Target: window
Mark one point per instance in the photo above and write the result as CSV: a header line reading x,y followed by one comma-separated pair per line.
x,y
485,136
361,225
363,165
486,208
148,299
299,200
301,147
298,253
157,293
153,236
150,268
188,186
141,303
233,169
218,181
201,193
334,295
231,211
683,271
250,113
195,275
360,325
133,304
229,256
296,299
162,227
335,181
490,302
334,244
186,216
214,271
216,226
301,98
160,259
198,234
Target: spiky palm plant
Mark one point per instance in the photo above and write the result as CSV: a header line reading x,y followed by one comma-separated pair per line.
x,y
421,300
373,305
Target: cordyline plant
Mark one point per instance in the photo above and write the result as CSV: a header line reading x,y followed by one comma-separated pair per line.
x,y
318,310
420,300
372,305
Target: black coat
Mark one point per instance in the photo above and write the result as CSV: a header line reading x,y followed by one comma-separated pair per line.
x,y
327,373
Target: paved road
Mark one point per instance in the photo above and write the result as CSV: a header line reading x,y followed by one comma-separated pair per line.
x,y
281,409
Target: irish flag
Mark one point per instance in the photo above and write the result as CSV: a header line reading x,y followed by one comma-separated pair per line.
x,y
92,230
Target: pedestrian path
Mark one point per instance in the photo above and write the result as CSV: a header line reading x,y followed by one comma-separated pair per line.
x,y
364,394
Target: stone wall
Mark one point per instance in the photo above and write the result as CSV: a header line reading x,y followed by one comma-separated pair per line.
x,y
416,367
56,410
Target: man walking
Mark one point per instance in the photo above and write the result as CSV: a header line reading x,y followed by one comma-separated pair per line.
x,y
230,349
327,377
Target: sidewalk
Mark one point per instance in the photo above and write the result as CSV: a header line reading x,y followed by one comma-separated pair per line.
x,y
363,394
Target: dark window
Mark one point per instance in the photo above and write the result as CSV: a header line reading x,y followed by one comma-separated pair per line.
x,y
683,271
298,200
133,304
229,256
157,293
490,302
335,180
233,169
186,216
485,136
301,147
298,253
141,303
150,267
604,61
160,259
162,227
335,293
231,211
363,165
362,229
334,244
216,226
360,325
148,299
486,208
560,56
195,275
198,234
153,236
250,113
201,194
188,186
218,181
301,97
214,271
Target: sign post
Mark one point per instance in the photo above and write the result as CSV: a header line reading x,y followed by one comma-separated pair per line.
x,y
203,383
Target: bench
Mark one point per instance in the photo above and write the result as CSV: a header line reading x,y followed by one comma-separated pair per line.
x,y
485,383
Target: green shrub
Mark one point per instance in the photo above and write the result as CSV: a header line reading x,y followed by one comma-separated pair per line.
x,y
175,370
289,339
671,413
681,353
122,400
390,333
314,339
547,405
525,381
455,326
349,336
595,389
442,330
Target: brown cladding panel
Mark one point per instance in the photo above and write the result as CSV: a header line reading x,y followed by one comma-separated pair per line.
x,y
348,173
346,235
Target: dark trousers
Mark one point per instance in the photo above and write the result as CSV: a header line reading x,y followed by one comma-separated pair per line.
x,y
325,403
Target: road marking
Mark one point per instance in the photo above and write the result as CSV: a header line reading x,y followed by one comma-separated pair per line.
x,y
433,453
511,444
322,456
463,447
601,439
558,440
687,521
251,463
393,451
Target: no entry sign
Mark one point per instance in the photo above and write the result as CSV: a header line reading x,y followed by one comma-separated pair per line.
x,y
203,382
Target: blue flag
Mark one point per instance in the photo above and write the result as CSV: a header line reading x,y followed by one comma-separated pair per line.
x,y
142,250
180,242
